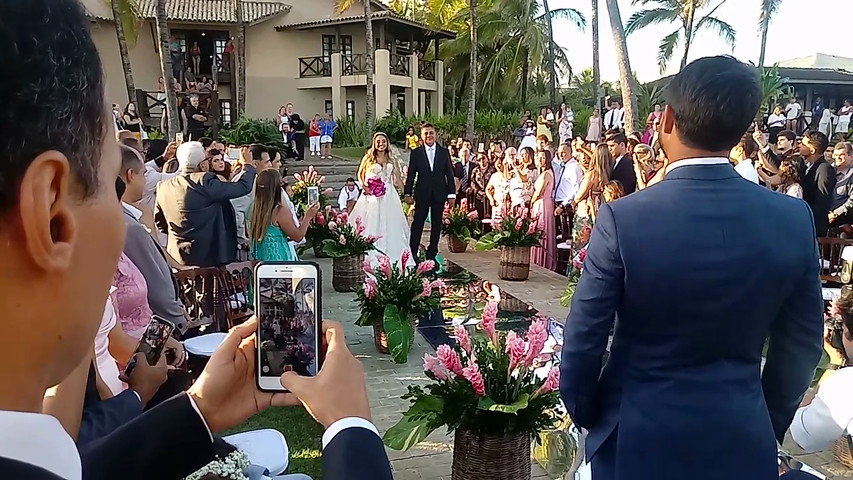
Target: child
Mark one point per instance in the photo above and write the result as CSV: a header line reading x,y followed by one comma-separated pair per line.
x,y
327,132
314,135
411,139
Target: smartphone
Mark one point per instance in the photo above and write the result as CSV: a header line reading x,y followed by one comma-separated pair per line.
x,y
481,148
234,154
313,195
152,343
287,304
179,137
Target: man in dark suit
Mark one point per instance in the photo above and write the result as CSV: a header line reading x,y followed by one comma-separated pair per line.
x,y
819,182
462,170
62,233
623,163
694,275
430,184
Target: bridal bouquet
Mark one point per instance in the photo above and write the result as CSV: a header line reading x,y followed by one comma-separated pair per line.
x,y
375,187
483,384
393,296
348,240
517,228
230,467
460,222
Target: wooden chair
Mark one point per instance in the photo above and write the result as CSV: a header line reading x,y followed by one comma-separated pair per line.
x,y
830,254
197,290
236,281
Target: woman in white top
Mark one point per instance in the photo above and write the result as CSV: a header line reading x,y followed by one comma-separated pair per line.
x,y
775,124
844,114
826,120
497,190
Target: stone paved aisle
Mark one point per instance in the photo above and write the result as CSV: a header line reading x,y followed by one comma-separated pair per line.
x,y
386,382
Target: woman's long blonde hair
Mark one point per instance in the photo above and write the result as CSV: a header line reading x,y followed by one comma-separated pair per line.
x,y
369,158
267,200
601,165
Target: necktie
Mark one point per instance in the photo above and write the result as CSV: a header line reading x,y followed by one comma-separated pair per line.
x,y
465,177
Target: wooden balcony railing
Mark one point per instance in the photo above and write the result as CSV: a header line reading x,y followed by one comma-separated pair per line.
x,y
314,67
426,70
354,64
400,65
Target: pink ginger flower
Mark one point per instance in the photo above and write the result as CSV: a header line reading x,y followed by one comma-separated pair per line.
x,y
525,212
404,259
328,209
333,225
472,215
322,221
297,176
551,384
515,349
473,375
490,315
427,288
327,192
372,238
532,228
359,225
370,288
343,217
518,224
343,240
432,365
385,265
367,267
322,179
449,359
437,284
537,334
462,337
425,266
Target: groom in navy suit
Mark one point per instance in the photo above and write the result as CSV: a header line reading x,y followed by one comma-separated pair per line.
x,y
696,272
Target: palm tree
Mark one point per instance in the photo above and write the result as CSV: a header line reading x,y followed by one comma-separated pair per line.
x,y
472,95
241,58
552,69
626,76
126,18
166,70
768,10
342,6
684,12
596,67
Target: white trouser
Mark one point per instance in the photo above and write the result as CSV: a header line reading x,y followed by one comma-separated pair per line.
x,y
315,144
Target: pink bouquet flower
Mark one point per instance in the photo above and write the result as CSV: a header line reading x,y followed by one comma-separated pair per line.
x,y
375,187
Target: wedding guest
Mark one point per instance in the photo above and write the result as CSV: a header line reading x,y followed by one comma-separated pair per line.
x,y
542,209
646,165
132,121
622,168
521,183
544,122
479,179
218,165
568,176
497,190
614,119
298,135
842,201
567,123
243,204
314,135
612,191
819,180
775,124
793,110
593,130
587,200
528,135
741,155
349,195
271,225
789,180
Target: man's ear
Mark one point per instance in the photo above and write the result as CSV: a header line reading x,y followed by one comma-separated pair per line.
x,y
667,120
45,207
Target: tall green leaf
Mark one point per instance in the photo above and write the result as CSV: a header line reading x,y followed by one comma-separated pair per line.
x,y
400,333
487,403
417,423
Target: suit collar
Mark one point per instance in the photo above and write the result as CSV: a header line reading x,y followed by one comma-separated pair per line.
x,y
701,169
39,440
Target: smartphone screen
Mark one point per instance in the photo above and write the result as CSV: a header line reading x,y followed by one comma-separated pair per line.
x,y
153,342
179,137
234,154
288,309
313,195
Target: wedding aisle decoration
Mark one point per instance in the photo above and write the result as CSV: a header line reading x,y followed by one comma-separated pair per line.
x,y
516,232
347,246
574,276
309,178
319,231
485,390
230,467
460,225
392,298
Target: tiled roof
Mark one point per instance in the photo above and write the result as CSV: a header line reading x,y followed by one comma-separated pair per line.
x,y
819,61
208,11
383,14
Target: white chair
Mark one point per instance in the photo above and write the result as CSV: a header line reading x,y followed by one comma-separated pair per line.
x,y
204,345
266,448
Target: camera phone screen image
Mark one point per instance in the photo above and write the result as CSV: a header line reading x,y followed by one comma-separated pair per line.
x,y
288,326
154,339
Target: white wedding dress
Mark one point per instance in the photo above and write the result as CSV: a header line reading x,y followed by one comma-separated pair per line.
x,y
383,216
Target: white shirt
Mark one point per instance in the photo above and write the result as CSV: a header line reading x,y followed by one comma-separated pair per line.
x,y
241,207
688,162
776,120
347,195
747,170
153,177
829,416
568,177
430,153
792,110
104,360
614,118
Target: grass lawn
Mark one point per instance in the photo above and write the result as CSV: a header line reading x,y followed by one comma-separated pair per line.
x,y
349,153
303,436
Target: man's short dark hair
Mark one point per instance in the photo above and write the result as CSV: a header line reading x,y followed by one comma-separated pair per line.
x,y
132,143
714,100
272,151
205,141
791,136
130,159
817,140
350,180
257,150
427,125
750,148
618,137
51,92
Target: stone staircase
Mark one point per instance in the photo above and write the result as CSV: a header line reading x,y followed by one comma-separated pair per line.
x,y
336,170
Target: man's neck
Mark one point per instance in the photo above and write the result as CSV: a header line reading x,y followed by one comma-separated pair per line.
x,y
812,159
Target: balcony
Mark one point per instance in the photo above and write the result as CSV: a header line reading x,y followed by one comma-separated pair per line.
x,y
354,64
314,67
426,70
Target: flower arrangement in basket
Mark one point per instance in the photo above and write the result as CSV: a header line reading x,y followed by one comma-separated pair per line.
x,y
347,247
485,389
392,297
517,228
319,230
309,178
576,268
460,225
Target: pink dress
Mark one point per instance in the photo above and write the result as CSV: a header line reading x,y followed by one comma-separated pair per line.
x,y
545,255
131,298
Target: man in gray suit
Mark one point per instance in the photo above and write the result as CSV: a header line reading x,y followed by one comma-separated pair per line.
x,y
193,209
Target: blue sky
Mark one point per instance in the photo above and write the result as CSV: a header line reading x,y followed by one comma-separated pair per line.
x,y
801,28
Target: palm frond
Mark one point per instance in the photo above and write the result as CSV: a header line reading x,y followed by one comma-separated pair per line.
x,y
723,29
645,18
129,18
768,10
570,14
343,5
666,48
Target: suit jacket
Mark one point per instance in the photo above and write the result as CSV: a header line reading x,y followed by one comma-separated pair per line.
x,y
464,180
624,172
818,186
430,185
13,469
102,417
695,284
356,453
194,210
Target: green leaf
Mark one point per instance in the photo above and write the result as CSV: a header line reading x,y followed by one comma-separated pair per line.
x,y
486,243
417,423
487,403
399,332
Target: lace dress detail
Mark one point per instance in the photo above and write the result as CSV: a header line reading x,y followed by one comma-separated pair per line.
x,y
130,298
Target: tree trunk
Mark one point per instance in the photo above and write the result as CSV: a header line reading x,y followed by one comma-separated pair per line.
x,y
472,94
765,25
552,68
166,71
688,32
241,59
525,71
596,66
369,113
122,50
626,77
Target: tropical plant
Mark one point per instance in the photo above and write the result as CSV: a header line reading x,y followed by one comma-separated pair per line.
x,y
460,221
155,134
319,230
647,97
768,10
241,57
166,69
582,115
350,132
773,87
574,277
348,239
686,14
485,384
249,130
395,294
126,20
309,178
626,75
341,6
517,228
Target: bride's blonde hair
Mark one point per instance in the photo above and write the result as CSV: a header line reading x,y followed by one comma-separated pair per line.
x,y
369,157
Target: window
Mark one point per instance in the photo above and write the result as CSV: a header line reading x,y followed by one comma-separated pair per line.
x,y
225,112
183,42
328,47
327,107
346,45
351,109
218,51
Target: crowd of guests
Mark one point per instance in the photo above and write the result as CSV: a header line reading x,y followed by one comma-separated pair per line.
x,y
319,132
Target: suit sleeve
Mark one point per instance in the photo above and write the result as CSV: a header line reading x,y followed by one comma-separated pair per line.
x,y
219,191
796,338
105,416
356,453
590,319
448,174
160,218
411,172
170,441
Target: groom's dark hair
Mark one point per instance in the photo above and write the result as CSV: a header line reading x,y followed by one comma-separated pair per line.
x,y
427,125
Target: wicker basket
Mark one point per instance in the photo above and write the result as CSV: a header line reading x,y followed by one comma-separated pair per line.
x,y
843,450
481,457
456,244
379,337
318,250
347,273
515,263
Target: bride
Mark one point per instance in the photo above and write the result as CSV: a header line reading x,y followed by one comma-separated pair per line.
x,y
382,216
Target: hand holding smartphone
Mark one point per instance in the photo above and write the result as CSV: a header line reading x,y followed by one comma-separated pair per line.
x,y
179,137
234,154
152,343
313,195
